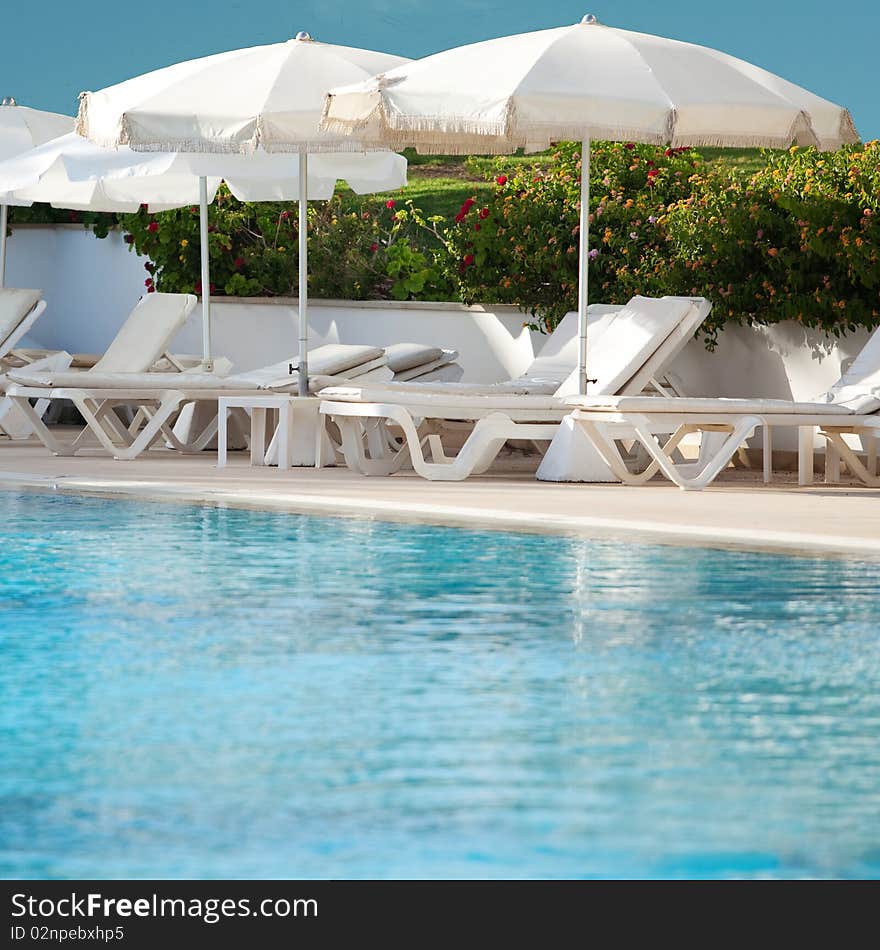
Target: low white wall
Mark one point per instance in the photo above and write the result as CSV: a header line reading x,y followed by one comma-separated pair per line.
x,y
91,285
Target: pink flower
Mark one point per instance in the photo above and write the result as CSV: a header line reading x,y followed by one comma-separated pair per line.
x,y
390,203
759,234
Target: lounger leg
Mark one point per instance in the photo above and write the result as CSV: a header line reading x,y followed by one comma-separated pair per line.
x,y
806,439
768,454
832,463
222,425
870,444
739,432
258,436
22,403
284,435
854,463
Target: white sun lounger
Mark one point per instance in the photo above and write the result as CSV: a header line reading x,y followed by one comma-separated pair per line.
x,y
633,347
19,311
850,407
159,397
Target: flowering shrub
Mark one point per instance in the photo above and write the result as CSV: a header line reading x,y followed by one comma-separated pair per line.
x,y
799,239
356,251
522,246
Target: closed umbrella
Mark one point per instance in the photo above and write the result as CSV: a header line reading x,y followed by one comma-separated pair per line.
x,y
71,172
21,129
265,98
581,82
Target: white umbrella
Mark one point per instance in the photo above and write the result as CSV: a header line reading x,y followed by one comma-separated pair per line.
x,y
581,82
71,172
267,97
21,129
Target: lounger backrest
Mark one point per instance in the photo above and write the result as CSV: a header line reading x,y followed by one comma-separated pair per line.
x,y
631,337
558,356
146,334
15,305
859,387
661,360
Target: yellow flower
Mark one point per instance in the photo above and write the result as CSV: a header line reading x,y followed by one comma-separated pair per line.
x,y
282,249
184,243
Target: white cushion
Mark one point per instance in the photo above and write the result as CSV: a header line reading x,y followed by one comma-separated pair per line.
x,y
859,387
627,341
422,398
559,355
15,305
404,356
702,406
447,373
146,334
446,357
332,359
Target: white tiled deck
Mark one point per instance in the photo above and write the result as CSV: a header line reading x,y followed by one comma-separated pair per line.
x,y
737,511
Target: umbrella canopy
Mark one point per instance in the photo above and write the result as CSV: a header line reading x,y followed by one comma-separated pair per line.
x,y
265,97
268,96
21,129
71,172
581,82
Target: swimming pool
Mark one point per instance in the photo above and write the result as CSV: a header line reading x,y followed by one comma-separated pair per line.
x,y
193,692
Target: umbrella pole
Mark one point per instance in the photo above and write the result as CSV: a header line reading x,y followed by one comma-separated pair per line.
x,y
207,359
4,211
303,275
583,267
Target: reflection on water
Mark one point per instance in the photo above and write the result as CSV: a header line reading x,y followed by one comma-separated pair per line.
x,y
197,692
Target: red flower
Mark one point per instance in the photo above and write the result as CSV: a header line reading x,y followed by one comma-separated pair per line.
x,y
390,203
477,226
374,247
148,282
129,239
192,210
484,213
153,226
469,203
238,262
669,153
468,259
653,173
150,267
501,180
151,290
285,215
630,145
459,217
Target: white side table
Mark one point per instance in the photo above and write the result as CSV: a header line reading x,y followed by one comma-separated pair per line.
x,y
299,436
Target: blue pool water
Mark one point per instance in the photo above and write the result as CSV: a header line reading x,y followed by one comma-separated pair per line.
x,y
189,692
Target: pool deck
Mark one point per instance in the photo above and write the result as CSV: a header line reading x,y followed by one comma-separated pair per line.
x,y
738,511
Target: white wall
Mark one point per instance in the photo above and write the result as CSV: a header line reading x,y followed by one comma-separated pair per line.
x,y
90,286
